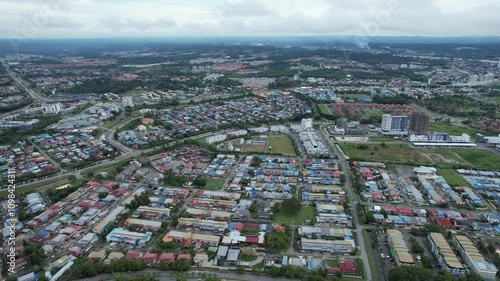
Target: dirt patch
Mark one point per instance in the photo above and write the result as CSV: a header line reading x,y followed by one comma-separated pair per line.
x,y
439,158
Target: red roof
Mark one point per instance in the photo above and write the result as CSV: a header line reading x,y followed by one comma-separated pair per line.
x,y
147,120
252,226
470,215
391,209
166,257
150,257
75,227
183,256
377,196
405,211
252,240
348,267
133,255
239,226
186,243
445,222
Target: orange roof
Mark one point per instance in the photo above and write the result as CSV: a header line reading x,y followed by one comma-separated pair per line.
x,y
167,239
280,229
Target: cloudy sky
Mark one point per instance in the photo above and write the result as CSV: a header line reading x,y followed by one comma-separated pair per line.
x,y
136,18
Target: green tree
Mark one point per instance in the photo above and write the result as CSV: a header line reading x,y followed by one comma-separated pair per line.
x,y
277,241
200,182
291,206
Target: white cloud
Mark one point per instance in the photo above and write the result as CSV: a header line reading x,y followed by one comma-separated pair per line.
x,y
97,18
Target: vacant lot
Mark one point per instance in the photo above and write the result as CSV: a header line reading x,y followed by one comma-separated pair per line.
x,y
407,155
451,129
384,139
306,212
255,148
393,153
482,159
443,155
281,145
452,177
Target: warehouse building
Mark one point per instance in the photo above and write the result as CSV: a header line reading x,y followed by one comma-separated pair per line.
x,y
330,246
142,224
398,248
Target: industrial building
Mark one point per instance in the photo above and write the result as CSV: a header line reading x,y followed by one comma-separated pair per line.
x,y
476,262
331,246
444,255
324,232
206,225
313,143
121,235
142,224
101,226
211,240
151,213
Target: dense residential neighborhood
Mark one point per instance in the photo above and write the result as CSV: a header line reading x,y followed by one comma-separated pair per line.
x,y
244,161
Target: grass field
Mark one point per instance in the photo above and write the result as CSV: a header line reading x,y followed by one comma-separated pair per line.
x,y
384,139
112,123
332,263
254,148
352,96
495,99
214,184
307,212
451,129
248,257
452,177
281,145
443,155
323,109
482,159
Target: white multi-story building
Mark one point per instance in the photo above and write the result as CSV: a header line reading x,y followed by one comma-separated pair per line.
x,y
127,101
51,108
394,125
307,124
473,258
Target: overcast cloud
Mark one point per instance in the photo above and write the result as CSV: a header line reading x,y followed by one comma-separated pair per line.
x,y
118,18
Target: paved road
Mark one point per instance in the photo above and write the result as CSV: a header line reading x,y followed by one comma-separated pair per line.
x,y
133,153
169,276
36,97
354,201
